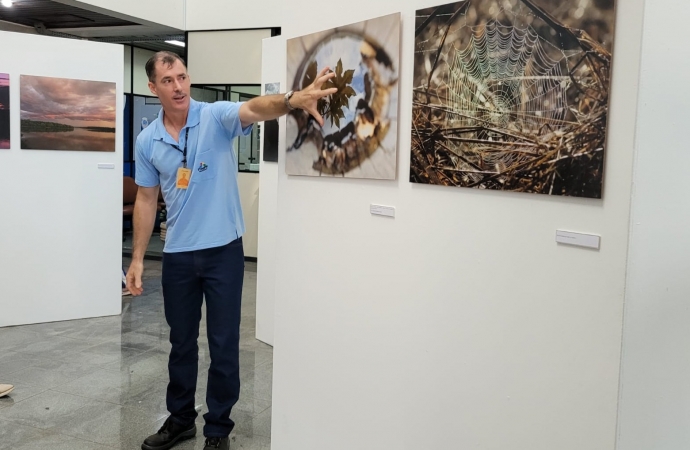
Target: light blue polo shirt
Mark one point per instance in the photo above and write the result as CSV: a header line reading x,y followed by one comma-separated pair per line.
x,y
208,213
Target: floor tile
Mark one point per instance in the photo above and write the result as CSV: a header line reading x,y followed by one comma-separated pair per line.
x,y
262,424
47,374
252,406
95,332
109,386
95,357
13,338
105,423
12,435
150,400
244,423
11,362
52,329
18,437
45,410
20,393
53,347
259,384
153,363
139,341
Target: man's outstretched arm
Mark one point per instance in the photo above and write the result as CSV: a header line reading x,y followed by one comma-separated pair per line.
x,y
269,107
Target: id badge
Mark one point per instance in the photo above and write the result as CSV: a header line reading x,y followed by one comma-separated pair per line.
x,y
183,176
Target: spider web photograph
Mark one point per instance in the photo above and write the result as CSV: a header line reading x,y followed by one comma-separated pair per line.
x,y
359,135
513,95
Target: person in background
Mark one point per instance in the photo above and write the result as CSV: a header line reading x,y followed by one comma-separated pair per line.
x,y
187,152
5,390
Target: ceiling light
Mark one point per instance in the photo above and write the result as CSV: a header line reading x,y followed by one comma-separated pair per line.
x,y
178,43
7,3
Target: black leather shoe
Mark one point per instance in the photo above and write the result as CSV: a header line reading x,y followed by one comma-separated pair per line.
x,y
169,435
217,443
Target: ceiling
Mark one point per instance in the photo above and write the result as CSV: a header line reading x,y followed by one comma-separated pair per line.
x,y
55,15
53,18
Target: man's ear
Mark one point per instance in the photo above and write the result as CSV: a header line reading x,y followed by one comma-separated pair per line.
x,y
152,88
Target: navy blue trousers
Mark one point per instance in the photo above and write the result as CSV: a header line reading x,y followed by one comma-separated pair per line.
x,y
215,274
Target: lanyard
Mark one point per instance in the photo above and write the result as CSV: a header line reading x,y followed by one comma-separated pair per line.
x,y
184,152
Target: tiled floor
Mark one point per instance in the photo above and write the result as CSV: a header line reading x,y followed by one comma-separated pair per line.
x,y
155,247
100,383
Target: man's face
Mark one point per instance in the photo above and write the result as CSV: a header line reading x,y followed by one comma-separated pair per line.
x,y
172,86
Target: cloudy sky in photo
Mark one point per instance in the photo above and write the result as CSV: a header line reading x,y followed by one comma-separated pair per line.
x,y
78,103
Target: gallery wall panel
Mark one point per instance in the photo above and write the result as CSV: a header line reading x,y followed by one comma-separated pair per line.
x,y
224,15
273,72
462,308
225,57
654,382
128,69
141,81
60,233
248,185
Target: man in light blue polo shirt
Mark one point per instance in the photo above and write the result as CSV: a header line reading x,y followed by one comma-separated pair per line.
x,y
211,159
188,153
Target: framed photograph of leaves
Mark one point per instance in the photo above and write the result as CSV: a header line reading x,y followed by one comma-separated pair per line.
x,y
359,135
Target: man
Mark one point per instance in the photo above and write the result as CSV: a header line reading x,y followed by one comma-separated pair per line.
x,y
188,153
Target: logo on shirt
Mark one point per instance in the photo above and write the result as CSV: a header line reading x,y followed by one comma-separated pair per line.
x,y
203,166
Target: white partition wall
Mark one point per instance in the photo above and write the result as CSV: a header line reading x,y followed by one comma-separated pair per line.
x,y
655,380
248,184
128,69
224,15
140,85
225,57
60,216
273,71
460,323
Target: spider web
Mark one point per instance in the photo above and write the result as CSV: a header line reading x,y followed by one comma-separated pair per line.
x,y
507,81
505,77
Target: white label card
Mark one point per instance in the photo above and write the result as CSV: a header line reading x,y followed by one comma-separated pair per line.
x,y
578,239
380,210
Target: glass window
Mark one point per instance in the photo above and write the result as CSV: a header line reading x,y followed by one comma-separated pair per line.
x,y
246,147
145,111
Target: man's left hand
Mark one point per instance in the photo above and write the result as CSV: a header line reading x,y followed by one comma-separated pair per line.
x,y
308,98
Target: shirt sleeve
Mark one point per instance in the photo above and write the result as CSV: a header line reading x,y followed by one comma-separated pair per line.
x,y
146,175
228,113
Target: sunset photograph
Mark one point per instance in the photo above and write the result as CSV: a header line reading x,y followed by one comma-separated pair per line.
x,y
4,111
66,114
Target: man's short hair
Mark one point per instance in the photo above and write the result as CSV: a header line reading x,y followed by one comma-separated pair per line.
x,y
168,58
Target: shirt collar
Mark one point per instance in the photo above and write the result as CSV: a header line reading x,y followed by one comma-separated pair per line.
x,y
161,133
